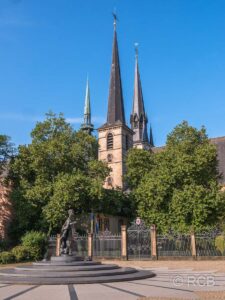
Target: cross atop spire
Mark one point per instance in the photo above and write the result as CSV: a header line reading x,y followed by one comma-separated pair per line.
x,y
87,126
136,50
115,100
115,20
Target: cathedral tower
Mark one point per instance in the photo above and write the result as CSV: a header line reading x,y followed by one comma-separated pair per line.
x,y
87,126
115,137
138,119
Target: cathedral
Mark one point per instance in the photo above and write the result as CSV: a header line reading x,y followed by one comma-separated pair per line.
x,y
115,137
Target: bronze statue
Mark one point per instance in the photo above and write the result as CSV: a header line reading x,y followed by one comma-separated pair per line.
x,y
66,234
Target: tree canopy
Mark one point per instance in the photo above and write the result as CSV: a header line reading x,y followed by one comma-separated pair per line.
x,y
58,170
177,188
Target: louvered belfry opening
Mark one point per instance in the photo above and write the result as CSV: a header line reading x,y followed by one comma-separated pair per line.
x,y
110,141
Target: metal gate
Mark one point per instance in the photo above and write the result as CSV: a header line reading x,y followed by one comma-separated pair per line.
x,y
139,241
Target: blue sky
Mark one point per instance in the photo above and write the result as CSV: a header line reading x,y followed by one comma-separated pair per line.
x,y
47,47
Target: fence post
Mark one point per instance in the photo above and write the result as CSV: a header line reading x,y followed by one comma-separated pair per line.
x,y
193,246
124,242
57,248
153,242
90,246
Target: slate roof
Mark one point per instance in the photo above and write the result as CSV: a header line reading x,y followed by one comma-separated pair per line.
x,y
115,101
138,102
141,132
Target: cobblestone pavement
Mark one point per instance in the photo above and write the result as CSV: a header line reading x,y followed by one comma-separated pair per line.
x,y
175,283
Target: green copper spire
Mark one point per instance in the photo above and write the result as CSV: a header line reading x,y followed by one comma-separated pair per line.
x,y
87,126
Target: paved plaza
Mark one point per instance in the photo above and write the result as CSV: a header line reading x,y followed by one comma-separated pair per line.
x,y
171,283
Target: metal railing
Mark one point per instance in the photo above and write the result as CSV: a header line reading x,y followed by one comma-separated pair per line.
x,y
174,245
80,245
208,244
107,245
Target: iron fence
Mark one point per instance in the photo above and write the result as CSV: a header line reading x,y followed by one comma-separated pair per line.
x,y
174,245
107,245
80,245
210,244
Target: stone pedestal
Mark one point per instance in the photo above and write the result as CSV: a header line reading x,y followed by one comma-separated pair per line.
x,y
66,258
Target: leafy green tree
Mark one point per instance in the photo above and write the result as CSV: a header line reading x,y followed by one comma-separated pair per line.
x,y
138,162
181,190
58,170
7,151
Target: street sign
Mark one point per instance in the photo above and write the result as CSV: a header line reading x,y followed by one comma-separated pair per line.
x,y
138,221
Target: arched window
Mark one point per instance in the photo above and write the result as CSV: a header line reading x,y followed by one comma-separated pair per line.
x,y
110,181
110,141
109,158
135,121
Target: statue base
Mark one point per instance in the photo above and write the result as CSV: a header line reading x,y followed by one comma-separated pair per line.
x,y
66,258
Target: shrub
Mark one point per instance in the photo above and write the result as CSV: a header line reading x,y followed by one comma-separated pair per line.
x,y
21,253
36,243
6,257
220,243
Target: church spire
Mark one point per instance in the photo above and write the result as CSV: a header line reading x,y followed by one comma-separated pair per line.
x,y
139,119
115,100
87,126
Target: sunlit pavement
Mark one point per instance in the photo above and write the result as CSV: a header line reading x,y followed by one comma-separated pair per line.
x,y
167,283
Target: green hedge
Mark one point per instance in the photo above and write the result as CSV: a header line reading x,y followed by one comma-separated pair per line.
x,y
33,247
220,243
6,257
20,253
36,244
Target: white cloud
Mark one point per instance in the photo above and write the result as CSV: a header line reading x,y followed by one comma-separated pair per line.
x,y
74,120
20,117
35,118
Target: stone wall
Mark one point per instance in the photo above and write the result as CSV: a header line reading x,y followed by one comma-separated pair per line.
x,y
115,157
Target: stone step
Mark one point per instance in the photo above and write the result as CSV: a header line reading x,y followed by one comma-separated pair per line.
x,y
63,263
75,280
66,268
118,271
